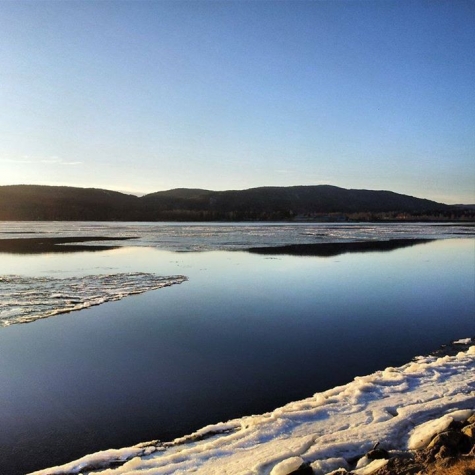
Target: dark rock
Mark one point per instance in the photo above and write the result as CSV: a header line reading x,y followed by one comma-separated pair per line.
x,y
455,442
456,425
377,454
443,455
304,469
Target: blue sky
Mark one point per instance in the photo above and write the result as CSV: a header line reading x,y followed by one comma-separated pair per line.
x,y
141,96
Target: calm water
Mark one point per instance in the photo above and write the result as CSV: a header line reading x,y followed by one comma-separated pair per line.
x,y
245,334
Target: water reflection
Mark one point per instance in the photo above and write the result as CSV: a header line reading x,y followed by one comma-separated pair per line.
x,y
55,245
338,248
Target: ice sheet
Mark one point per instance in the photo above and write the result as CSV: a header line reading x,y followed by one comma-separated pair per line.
x,y
225,236
396,407
25,299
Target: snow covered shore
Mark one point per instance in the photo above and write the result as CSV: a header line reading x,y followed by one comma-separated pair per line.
x,y
401,408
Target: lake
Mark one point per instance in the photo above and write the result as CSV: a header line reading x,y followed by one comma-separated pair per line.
x,y
246,333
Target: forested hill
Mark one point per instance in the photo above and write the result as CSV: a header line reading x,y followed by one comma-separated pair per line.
x,y
34,202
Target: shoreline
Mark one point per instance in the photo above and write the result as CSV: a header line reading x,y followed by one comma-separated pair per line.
x,y
327,432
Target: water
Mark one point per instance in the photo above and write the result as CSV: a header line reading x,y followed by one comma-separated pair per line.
x,y
245,334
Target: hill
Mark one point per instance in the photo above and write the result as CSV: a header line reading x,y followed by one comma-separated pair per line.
x,y
322,202
62,203
286,202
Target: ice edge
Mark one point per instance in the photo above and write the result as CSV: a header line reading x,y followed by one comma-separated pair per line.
x,y
326,431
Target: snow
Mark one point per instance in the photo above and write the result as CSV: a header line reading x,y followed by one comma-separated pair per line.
x,y
25,299
370,467
463,341
401,408
102,459
424,433
287,466
321,467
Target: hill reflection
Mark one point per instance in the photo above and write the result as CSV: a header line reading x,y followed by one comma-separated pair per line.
x,y
55,245
338,248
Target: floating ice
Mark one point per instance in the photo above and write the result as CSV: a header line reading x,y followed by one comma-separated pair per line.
x,y
225,236
398,407
463,341
25,299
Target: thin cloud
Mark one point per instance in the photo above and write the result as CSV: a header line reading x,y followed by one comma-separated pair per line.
x,y
59,162
37,160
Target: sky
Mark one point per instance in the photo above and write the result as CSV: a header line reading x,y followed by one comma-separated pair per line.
x,y
142,96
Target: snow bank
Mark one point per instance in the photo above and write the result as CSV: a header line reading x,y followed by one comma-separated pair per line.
x,y
424,433
392,407
463,341
25,299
